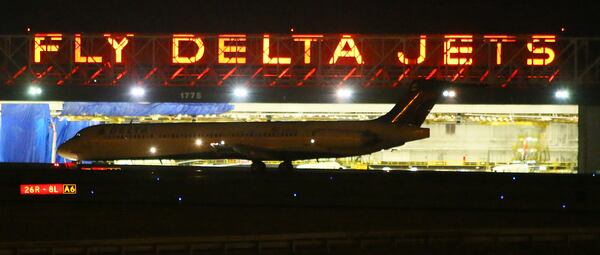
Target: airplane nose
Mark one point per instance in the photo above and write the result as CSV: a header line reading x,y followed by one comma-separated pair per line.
x,y
65,150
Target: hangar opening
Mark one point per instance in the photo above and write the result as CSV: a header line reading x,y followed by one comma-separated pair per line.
x,y
463,137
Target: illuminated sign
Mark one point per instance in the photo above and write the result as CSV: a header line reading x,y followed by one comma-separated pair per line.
x,y
298,49
48,189
190,59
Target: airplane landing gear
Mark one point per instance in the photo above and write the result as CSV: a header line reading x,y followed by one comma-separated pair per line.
x,y
286,167
257,166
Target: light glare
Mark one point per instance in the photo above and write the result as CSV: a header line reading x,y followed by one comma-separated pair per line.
x,y
344,93
562,94
240,92
137,91
449,93
34,91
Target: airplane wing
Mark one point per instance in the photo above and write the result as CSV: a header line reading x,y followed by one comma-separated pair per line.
x,y
249,152
253,152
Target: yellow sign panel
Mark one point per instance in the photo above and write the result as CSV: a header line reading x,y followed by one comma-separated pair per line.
x,y
69,189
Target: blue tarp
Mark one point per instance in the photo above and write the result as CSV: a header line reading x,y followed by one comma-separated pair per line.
x,y
26,134
144,109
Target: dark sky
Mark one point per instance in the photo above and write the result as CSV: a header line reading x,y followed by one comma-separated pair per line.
x,y
306,16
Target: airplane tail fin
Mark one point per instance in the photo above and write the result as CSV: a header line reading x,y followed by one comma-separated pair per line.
x,y
413,110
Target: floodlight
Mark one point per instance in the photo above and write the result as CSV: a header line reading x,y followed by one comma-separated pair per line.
x,y
344,93
137,91
34,91
240,92
449,93
562,94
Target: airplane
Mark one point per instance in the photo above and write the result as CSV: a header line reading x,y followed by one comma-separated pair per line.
x,y
259,141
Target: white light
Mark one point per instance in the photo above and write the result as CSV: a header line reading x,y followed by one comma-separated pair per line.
x,y
312,140
222,142
562,94
240,92
34,91
531,139
198,142
153,150
449,93
386,168
344,93
137,91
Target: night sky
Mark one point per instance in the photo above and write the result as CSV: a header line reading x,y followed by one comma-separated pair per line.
x,y
307,16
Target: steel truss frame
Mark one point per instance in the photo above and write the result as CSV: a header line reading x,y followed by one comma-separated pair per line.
x,y
577,63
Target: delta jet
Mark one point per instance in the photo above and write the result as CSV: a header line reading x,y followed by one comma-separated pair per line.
x,y
258,141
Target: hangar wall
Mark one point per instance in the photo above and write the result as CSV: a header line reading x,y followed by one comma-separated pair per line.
x,y
589,147
550,143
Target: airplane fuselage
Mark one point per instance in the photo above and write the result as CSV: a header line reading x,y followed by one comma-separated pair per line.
x,y
243,140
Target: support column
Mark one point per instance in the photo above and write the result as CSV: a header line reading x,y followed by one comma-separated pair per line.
x,y
589,139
